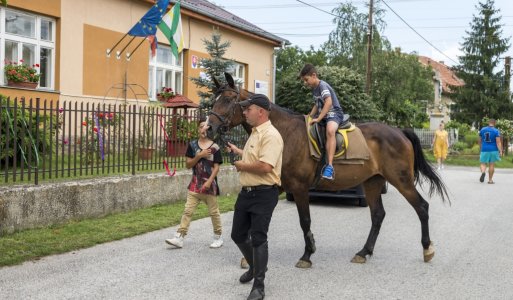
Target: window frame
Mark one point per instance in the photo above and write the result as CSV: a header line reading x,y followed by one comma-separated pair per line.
x,y
38,42
154,65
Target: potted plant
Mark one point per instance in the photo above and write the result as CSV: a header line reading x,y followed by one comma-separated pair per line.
x,y
146,140
21,75
165,94
181,132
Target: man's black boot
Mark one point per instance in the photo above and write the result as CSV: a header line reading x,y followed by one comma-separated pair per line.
x,y
247,251
260,258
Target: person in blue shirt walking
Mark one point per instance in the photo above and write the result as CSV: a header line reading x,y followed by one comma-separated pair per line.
x,y
326,111
490,145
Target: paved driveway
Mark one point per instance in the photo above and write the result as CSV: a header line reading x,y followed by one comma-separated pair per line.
x,y
473,240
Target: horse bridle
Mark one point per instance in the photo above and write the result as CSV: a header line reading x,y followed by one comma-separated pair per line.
x,y
225,121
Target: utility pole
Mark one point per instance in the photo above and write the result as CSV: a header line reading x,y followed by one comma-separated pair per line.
x,y
369,48
507,74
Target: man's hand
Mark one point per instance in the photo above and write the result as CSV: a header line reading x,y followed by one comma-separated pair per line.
x,y
232,148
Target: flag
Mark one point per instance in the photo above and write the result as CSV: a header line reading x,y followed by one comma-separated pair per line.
x,y
147,25
153,44
171,27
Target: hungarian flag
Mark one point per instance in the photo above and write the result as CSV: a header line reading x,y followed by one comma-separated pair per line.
x,y
171,27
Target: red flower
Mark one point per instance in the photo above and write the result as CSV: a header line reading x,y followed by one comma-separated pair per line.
x,y
95,129
22,61
36,65
84,123
100,115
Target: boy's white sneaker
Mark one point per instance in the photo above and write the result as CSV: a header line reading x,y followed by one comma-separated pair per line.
x,y
177,241
218,241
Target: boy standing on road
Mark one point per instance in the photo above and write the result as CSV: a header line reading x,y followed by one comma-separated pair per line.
x,y
204,157
326,111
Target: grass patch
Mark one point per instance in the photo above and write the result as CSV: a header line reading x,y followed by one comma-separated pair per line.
x,y
470,160
34,243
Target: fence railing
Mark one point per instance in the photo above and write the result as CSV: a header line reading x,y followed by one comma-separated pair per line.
x,y
46,140
426,136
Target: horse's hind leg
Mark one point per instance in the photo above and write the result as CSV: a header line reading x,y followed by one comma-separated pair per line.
x,y
373,189
422,210
303,208
421,207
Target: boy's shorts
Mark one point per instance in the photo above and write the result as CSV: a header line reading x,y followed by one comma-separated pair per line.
x,y
489,157
333,116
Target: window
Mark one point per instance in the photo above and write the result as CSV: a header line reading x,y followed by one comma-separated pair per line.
x,y
165,70
30,38
237,72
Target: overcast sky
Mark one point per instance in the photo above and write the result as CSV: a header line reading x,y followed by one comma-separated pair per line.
x,y
440,22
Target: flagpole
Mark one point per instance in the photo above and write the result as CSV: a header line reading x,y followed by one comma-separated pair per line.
x,y
109,51
128,57
126,46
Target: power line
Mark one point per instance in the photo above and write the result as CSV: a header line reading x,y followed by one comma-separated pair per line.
x,y
434,47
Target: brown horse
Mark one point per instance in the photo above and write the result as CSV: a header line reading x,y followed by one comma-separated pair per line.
x,y
395,156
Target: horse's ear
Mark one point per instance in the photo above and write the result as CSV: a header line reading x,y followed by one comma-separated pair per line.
x,y
216,82
229,79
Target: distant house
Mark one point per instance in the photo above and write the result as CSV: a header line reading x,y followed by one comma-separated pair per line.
x,y
440,108
69,42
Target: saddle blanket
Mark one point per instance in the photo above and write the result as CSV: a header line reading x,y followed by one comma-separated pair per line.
x,y
351,146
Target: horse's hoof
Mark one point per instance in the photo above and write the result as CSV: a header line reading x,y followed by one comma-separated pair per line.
x,y
357,259
429,253
303,264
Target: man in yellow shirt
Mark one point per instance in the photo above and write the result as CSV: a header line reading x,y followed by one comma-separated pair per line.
x,y
260,172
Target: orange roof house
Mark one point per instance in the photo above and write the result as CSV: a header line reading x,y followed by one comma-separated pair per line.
x,y
440,108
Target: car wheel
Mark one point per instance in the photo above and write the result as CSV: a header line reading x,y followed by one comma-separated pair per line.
x,y
289,197
362,202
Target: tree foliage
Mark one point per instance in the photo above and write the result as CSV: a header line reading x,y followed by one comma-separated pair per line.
x,y
483,93
215,66
349,86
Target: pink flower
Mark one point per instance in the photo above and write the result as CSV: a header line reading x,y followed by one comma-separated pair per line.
x,y
65,141
61,110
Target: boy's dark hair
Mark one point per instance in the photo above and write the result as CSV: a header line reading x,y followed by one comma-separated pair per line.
x,y
308,69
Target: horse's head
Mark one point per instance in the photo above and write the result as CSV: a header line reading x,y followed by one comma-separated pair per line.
x,y
226,111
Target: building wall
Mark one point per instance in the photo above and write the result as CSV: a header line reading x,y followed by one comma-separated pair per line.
x,y
90,27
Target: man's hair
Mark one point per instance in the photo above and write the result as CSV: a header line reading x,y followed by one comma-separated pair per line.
x,y
202,119
308,69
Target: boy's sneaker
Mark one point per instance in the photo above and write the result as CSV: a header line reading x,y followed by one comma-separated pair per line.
x,y
218,241
328,172
177,241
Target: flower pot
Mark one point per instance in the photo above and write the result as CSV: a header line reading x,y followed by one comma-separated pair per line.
x,y
145,153
176,148
22,84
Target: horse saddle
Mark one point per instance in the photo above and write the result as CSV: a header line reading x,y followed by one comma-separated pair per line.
x,y
346,132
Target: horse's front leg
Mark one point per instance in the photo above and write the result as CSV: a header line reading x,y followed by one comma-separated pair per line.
x,y
303,208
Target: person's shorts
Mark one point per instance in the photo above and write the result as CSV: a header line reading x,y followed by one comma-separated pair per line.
x,y
489,157
333,116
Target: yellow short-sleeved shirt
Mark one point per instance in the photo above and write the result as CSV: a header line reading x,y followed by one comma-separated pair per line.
x,y
265,144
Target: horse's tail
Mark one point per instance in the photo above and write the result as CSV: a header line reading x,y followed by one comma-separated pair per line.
x,y
422,166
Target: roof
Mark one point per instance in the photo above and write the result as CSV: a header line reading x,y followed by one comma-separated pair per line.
x,y
179,101
446,75
217,13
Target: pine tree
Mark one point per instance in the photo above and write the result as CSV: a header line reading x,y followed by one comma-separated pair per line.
x,y
214,67
483,94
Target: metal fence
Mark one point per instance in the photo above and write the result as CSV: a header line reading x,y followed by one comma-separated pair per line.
x,y
46,140
426,136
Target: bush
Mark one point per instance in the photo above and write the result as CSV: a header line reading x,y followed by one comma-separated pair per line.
x,y
459,146
471,140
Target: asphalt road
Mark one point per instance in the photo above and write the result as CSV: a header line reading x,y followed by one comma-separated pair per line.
x,y
472,237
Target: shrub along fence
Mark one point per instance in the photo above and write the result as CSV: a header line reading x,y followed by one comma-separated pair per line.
x,y
46,140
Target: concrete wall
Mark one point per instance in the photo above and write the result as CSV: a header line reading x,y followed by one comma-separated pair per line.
x,y
47,204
